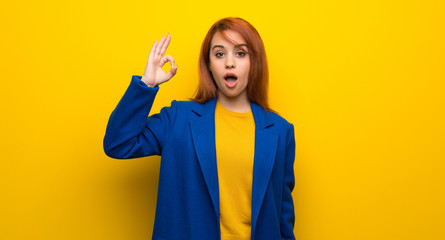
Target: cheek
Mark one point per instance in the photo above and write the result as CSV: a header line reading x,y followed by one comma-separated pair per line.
x,y
213,67
246,66
246,70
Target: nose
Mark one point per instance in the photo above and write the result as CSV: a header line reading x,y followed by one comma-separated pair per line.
x,y
230,63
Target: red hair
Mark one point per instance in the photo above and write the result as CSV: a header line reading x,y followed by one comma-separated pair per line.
x,y
257,85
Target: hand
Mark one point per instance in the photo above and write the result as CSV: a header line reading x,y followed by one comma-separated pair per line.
x,y
154,75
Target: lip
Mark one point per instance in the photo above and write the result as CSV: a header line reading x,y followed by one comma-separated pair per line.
x,y
230,74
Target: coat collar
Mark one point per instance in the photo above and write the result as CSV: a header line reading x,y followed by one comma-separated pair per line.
x,y
262,118
203,134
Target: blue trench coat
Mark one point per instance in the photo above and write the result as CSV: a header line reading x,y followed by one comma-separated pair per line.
x,y
183,134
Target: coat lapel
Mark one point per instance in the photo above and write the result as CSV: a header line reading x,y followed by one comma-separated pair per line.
x,y
203,134
265,151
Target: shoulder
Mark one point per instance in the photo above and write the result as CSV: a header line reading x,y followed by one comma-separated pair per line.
x,y
185,104
269,119
278,119
281,125
184,108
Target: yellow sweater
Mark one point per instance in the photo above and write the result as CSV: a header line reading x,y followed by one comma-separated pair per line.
x,y
235,147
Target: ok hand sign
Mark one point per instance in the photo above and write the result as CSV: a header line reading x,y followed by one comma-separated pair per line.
x,y
153,74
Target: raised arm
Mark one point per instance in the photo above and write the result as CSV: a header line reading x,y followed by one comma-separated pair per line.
x,y
129,133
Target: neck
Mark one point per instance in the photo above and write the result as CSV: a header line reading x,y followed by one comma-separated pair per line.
x,y
239,103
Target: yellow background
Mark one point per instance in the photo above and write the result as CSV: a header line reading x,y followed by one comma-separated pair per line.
x,y
362,81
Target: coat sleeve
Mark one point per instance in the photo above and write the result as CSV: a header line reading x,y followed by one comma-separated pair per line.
x,y
287,205
129,133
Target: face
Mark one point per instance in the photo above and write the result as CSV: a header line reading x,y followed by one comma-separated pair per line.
x,y
230,64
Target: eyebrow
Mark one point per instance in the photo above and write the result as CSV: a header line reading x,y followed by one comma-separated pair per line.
x,y
237,46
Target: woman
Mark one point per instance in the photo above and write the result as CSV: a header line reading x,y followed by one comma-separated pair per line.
x,y
226,158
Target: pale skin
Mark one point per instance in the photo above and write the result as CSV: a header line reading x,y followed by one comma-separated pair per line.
x,y
224,58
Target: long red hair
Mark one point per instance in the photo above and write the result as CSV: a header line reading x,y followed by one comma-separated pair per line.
x,y
257,85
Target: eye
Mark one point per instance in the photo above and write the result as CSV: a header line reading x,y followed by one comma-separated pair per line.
x,y
219,54
240,53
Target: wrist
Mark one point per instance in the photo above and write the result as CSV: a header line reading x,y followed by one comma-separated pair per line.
x,y
143,79
150,85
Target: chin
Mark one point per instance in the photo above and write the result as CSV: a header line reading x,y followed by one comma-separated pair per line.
x,y
231,93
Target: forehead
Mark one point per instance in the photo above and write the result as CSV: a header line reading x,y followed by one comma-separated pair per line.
x,y
227,38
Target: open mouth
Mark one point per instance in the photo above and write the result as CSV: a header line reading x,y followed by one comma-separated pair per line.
x,y
230,79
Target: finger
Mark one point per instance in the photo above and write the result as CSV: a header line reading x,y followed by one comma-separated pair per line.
x,y
154,57
166,43
172,72
159,47
174,69
150,55
168,58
